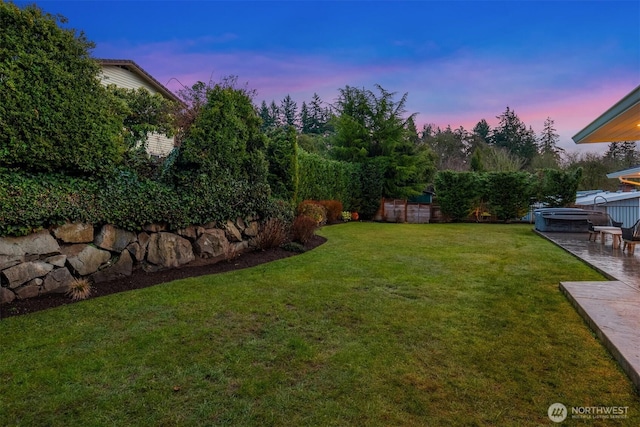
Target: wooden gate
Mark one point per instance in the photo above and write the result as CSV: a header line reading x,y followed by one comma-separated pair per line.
x,y
399,210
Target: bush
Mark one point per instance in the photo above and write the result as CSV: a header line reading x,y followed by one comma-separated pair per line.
x,y
313,210
293,247
273,233
509,193
334,209
457,192
54,115
303,229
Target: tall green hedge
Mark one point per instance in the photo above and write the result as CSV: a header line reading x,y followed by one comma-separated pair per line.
x,y
54,113
507,195
457,192
325,179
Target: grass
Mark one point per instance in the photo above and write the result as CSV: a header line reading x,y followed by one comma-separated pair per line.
x,y
383,325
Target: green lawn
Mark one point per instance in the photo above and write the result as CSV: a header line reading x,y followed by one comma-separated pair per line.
x,y
383,325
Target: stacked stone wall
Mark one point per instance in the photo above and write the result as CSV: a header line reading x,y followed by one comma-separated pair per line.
x,y
47,262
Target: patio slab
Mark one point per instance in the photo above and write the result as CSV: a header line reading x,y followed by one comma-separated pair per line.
x,y
610,308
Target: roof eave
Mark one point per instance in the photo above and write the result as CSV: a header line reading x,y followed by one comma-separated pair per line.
x,y
140,71
632,100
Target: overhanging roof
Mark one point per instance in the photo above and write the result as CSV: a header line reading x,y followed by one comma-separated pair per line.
x,y
628,176
135,68
619,123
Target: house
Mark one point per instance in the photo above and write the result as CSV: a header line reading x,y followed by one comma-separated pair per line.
x,y
127,74
622,206
619,123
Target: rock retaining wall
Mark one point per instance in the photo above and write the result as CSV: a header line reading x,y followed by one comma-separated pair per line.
x,y
48,261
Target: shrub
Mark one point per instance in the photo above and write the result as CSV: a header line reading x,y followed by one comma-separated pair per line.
x,y
346,216
277,208
273,233
509,193
293,247
313,210
54,115
334,209
303,229
457,192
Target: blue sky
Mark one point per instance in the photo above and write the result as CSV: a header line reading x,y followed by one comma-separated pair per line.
x,y
459,61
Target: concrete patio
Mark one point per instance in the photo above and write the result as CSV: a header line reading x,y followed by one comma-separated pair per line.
x,y
611,308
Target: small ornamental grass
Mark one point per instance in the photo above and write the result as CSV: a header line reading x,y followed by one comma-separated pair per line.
x,y
79,289
273,233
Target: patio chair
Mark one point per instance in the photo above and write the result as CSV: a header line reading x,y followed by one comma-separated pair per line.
x,y
631,236
599,220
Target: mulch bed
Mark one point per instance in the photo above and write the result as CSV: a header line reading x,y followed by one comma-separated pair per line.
x,y
141,279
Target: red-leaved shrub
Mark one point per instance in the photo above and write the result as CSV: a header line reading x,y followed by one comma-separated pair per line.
x,y
271,234
313,210
303,229
334,209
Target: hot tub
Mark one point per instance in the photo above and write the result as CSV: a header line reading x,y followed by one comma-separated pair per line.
x,y
568,220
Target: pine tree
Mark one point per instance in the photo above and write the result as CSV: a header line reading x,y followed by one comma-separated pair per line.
x,y
548,141
268,121
288,109
513,135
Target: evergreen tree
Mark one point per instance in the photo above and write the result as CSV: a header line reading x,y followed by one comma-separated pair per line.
x,y
318,116
268,120
482,130
276,114
548,142
371,129
512,134
288,109
305,120
449,147
623,154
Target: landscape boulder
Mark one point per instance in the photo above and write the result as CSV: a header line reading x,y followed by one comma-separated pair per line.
x,y
252,229
85,259
168,250
6,296
233,234
30,290
7,261
74,233
212,243
57,281
41,243
123,267
57,260
22,273
192,232
114,239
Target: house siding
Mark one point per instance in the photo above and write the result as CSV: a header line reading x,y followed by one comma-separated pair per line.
x,y
157,144
626,211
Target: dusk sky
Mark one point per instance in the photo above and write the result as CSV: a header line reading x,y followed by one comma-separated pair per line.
x,y
459,61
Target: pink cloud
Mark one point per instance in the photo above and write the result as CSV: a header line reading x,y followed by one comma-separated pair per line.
x,y
458,90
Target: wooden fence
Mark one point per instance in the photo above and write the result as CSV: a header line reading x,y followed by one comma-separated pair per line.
x,y
399,210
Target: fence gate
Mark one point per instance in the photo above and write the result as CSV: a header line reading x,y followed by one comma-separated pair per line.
x,y
399,210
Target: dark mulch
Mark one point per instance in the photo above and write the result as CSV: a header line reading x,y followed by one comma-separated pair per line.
x,y
140,279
